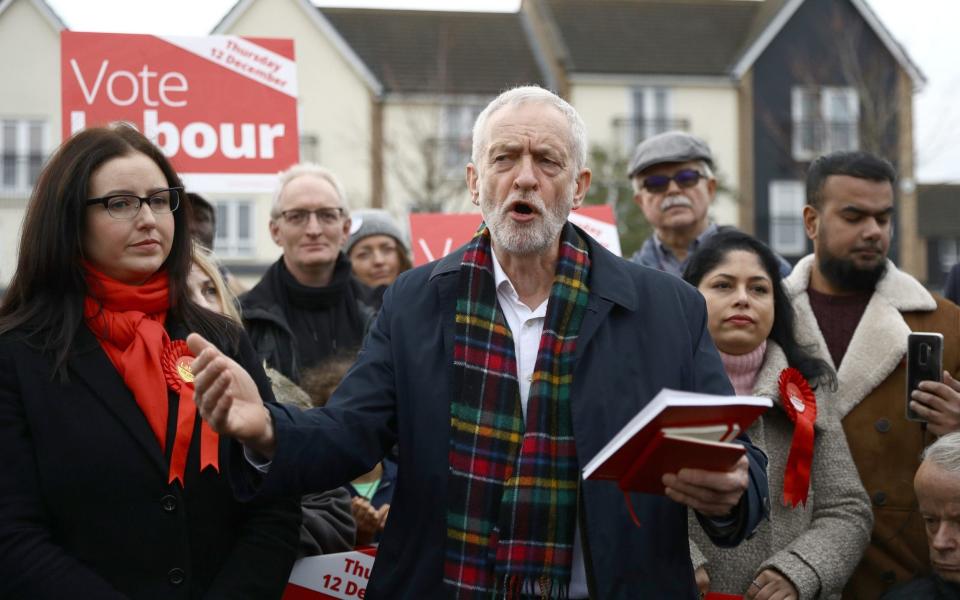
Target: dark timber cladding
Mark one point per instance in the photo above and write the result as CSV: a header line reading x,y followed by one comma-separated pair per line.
x,y
440,52
825,43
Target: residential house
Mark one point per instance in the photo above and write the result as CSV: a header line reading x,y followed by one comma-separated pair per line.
x,y
939,225
637,68
387,98
818,76
29,112
769,85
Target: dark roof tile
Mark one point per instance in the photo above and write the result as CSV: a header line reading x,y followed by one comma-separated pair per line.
x,y
439,52
939,210
654,37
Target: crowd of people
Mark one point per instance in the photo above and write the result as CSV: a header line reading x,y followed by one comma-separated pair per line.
x,y
169,438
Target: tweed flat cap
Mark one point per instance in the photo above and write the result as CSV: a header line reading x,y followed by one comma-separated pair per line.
x,y
669,147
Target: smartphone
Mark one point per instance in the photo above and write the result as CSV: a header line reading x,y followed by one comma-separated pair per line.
x,y
924,363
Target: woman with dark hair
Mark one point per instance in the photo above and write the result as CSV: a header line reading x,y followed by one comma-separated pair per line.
x,y
113,488
821,520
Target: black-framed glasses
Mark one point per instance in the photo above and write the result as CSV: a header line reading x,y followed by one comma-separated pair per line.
x,y
127,206
685,178
298,217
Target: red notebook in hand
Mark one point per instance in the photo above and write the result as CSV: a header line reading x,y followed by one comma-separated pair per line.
x,y
676,430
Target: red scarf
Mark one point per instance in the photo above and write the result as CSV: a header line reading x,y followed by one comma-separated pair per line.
x,y
128,321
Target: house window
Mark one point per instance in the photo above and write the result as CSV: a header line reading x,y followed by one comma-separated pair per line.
x,y
650,115
825,119
234,237
310,148
456,137
787,236
948,253
23,146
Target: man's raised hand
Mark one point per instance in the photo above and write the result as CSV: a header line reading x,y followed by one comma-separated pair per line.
x,y
228,398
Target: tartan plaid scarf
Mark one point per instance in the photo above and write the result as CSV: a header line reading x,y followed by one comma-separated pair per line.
x,y
512,496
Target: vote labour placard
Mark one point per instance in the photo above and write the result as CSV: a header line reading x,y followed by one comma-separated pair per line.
x,y
223,108
435,235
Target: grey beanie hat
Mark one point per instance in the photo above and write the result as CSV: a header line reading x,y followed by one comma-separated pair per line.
x,y
373,221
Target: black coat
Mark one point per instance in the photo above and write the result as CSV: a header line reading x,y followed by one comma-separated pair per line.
x,y
270,331
643,330
85,507
951,290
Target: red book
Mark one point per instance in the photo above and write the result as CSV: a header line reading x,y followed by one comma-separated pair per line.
x,y
676,430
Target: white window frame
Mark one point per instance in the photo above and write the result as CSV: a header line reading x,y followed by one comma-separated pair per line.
x,y
651,108
227,241
22,183
948,253
827,133
785,203
456,136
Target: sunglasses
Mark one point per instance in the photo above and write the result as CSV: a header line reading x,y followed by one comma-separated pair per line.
x,y
685,178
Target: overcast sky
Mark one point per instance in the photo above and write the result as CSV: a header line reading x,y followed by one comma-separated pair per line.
x,y
926,28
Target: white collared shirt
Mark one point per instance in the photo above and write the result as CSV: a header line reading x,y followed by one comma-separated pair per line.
x,y
526,326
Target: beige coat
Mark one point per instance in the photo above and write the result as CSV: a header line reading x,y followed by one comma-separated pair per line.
x,y
816,545
870,402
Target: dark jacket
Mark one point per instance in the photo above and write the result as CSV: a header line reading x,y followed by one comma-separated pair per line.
x,y
927,588
85,507
648,255
270,331
388,483
643,330
328,524
951,290
869,401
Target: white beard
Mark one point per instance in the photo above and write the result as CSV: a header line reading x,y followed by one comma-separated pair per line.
x,y
525,238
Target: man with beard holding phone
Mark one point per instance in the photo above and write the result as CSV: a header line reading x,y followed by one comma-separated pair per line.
x,y
856,309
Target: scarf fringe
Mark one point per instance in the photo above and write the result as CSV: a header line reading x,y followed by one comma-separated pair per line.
x,y
515,587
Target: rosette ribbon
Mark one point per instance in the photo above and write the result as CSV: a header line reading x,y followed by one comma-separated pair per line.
x,y
800,404
179,376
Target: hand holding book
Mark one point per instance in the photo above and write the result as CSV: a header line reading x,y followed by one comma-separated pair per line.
x,y
681,444
711,493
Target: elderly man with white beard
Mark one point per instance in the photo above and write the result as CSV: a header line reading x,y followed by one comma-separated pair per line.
x,y
500,370
674,186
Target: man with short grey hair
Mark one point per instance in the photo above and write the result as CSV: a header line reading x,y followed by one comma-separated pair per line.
x,y
501,370
674,185
937,485
307,305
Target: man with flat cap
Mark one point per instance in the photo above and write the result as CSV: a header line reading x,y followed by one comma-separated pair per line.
x,y
674,185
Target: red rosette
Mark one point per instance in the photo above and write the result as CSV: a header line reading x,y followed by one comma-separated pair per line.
x,y
176,360
176,365
800,404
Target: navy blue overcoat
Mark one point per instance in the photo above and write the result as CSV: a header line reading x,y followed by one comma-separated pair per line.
x,y
643,330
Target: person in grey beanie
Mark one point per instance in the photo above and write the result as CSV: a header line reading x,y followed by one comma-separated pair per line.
x,y
376,248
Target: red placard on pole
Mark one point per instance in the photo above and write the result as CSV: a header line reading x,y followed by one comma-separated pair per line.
x,y
434,235
222,108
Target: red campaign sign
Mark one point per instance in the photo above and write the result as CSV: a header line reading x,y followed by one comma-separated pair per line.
x,y
222,108
434,235
341,576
